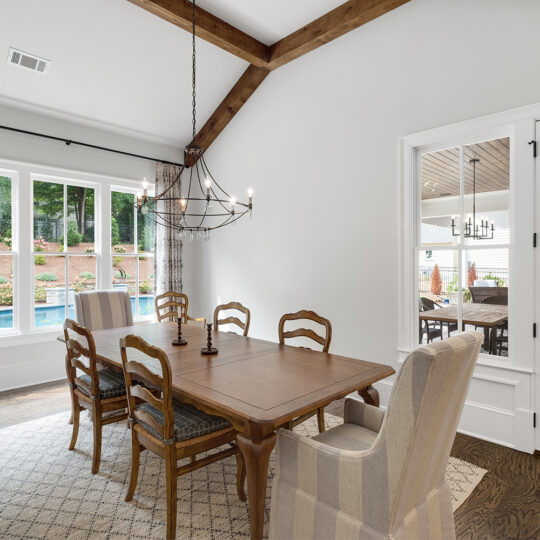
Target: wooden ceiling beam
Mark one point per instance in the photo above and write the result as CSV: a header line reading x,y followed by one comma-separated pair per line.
x,y
209,27
233,102
330,26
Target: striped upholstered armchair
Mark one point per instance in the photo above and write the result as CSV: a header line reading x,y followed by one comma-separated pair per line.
x,y
380,476
99,310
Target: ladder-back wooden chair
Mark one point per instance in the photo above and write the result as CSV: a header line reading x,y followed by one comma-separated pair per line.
x,y
99,391
175,303
231,319
171,429
308,333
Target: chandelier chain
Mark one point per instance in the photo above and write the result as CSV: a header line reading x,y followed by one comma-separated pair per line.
x,y
193,65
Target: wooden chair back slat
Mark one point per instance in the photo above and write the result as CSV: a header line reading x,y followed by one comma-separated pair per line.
x,y
304,332
76,350
232,319
172,300
144,394
163,383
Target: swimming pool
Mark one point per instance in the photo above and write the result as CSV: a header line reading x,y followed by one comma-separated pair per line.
x,y
54,315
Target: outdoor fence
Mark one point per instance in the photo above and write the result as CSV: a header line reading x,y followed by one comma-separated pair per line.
x,y
449,277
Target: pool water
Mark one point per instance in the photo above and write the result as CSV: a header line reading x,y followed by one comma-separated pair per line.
x,y
55,315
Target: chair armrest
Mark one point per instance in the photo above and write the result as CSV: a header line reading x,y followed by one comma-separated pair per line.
x,y
320,470
362,414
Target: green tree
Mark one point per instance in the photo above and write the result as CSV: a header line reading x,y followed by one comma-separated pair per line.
x,y
5,207
122,211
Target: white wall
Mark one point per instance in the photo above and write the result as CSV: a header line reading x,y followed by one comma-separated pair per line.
x,y
34,359
319,143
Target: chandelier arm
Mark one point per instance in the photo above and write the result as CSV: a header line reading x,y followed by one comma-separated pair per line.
x,y
205,167
228,222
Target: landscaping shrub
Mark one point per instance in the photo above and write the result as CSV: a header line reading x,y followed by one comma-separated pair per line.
x,y
87,275
39,260
40,244
500,282
3,280
119,249
116,261
145,287
121,275
40,294
89,250
7,241
46,276
6,295
436,281
74,237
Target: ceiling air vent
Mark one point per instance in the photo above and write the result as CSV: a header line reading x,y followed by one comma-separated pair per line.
x,y
20,58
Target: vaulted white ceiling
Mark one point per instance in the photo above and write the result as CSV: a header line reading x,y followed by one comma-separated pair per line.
x,y
115,64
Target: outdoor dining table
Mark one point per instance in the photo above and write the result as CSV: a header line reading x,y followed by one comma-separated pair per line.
x,y
257,385
488,316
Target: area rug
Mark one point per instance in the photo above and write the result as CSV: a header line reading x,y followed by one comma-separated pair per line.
x,y
48,492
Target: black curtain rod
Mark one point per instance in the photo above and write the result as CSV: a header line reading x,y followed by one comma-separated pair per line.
x,y
69,141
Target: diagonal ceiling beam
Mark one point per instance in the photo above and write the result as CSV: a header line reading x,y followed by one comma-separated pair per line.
x,y
330,26
240,93
209,27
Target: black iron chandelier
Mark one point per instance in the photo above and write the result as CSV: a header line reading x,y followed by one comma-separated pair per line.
x,y
201,206
477,229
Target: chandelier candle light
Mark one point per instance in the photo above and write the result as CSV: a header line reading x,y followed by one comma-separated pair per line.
x,y
477,229
203,205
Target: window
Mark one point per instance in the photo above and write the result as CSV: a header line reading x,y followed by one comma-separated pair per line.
x,y
7,255
132,242
64,257
464,239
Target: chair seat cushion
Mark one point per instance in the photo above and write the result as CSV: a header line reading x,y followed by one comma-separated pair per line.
x,y
111,384
348,437
189,422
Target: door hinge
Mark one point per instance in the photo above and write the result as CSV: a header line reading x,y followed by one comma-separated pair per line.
x,y
534,420
534,240
534,329
533,142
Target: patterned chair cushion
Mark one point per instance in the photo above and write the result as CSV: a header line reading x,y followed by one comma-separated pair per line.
x,y
111,384
189,422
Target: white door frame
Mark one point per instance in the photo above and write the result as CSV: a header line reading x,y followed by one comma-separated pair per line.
x,y
501,399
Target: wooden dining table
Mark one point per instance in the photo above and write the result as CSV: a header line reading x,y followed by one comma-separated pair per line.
x,y
257,385
488,316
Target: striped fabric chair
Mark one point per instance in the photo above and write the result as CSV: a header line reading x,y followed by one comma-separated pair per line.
x,y
99,310
380,476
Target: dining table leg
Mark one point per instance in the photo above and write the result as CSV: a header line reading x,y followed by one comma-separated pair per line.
x,y
370,395
256,454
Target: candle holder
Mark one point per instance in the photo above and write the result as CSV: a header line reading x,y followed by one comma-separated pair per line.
x,y
179,341
209,349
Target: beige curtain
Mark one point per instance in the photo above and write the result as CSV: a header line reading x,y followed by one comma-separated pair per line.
x,y
168,248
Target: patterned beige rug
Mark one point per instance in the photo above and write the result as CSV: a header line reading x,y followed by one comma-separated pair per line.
x,y
48,492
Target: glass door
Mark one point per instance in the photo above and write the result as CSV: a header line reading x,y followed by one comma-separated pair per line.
x,y
463,243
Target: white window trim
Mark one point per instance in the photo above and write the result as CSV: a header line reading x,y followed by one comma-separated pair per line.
x,y
519,125
23,174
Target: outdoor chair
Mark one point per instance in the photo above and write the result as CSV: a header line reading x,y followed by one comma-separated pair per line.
x,y
428,304
499,335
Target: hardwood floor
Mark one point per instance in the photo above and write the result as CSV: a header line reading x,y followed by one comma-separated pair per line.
x,y
505,505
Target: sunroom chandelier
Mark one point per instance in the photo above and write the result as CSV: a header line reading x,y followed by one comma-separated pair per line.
x,y
477,229
201,206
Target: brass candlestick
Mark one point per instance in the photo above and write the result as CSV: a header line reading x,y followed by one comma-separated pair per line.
x,y
209,349
179,340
